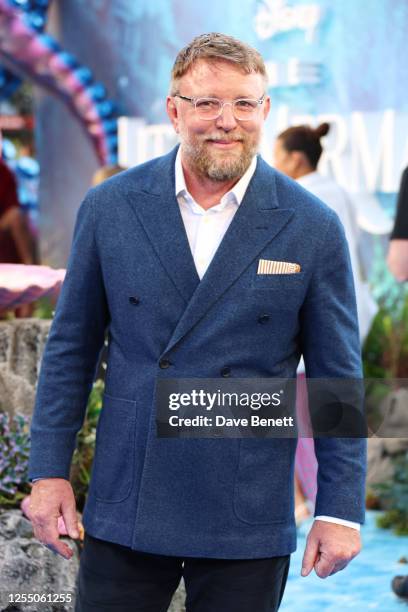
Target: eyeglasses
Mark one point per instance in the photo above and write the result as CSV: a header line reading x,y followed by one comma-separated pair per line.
x,y
243,109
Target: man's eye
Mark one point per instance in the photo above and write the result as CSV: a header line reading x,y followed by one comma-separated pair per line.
x,y
246,104
207,104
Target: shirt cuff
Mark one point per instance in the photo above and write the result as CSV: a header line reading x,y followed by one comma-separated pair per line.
x,y
332,519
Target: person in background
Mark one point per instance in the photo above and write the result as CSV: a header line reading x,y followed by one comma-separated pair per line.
x,y
15,244
398,265
297,153
398,250
15,241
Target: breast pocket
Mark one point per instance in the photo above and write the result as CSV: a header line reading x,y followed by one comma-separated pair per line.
x,y
113,466
279,282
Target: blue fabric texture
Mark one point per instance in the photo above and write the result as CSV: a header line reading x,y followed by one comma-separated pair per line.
x,y
223,498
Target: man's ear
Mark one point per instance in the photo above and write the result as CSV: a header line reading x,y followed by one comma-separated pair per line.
x,y
267,106
172,112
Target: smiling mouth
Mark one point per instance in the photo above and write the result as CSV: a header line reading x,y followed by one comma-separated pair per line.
x,y
224,143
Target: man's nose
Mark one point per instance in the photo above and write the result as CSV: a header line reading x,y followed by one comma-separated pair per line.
x,y
226,120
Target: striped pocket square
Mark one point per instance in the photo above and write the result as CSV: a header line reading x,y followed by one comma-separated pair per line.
x,y
268,266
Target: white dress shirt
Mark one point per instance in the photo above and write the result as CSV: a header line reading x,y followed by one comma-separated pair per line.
x,y
206,228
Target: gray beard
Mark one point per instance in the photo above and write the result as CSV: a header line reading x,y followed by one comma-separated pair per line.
x,y
218,170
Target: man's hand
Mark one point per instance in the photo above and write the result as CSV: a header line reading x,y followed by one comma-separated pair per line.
x,y
51,498
329,548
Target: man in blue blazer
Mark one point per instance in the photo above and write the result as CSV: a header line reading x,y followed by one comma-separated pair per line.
x,y
204,263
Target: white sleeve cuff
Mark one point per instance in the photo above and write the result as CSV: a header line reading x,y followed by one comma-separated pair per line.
x,y
339,521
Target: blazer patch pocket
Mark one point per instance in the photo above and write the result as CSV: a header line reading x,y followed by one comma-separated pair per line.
x,y
113,466
263,488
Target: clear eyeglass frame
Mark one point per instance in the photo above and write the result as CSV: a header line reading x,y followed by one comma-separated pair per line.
x,y
208,109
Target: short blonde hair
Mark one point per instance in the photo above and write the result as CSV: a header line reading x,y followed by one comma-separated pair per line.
x,y
214,47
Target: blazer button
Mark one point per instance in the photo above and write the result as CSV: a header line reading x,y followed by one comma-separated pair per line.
x,y
226,372
164,364
263,319
134,300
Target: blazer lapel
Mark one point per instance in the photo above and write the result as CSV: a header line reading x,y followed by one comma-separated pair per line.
x,y
158,211
257,221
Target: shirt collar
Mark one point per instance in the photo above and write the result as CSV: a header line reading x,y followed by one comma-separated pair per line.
x,y
236,194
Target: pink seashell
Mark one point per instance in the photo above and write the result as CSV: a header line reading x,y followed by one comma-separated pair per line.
x,y
21,284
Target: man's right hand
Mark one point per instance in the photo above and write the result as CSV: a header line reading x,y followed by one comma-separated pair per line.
x,y
50,499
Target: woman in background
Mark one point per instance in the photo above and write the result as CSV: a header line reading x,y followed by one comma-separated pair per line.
x,y
297,153
398,264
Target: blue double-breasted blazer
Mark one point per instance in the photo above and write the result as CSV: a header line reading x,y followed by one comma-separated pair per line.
x,y
131,272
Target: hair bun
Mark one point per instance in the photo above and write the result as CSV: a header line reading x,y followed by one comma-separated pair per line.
x,y
322,130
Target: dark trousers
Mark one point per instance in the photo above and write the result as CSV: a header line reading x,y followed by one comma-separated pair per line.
x,y
116,578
